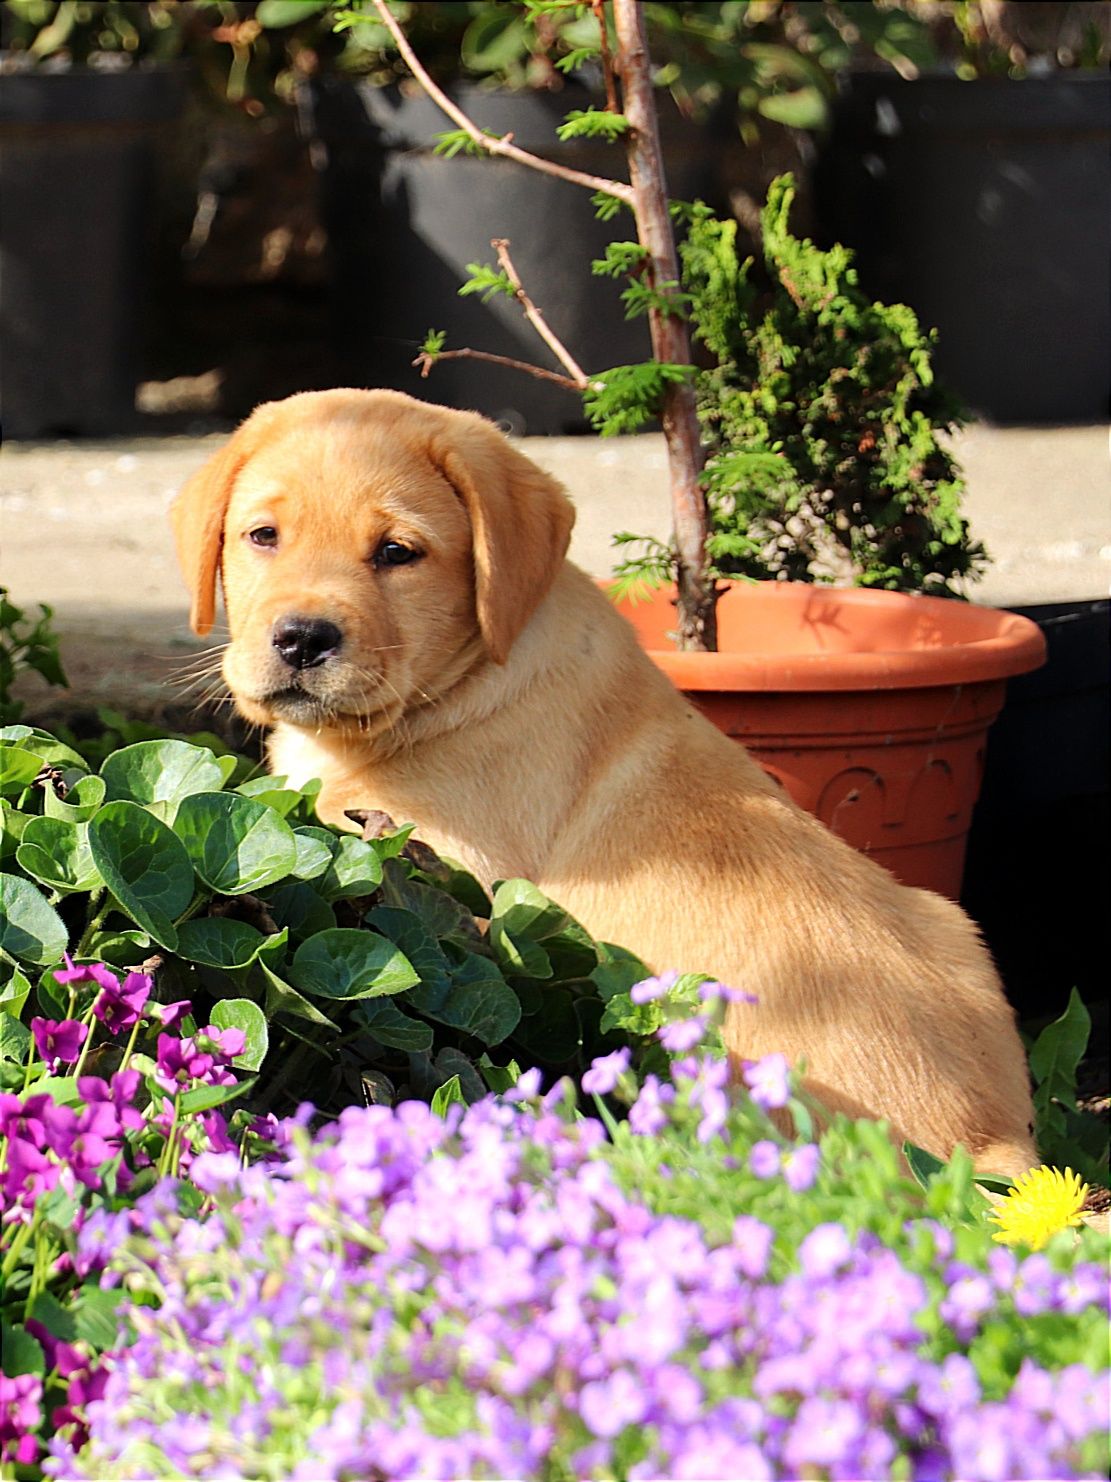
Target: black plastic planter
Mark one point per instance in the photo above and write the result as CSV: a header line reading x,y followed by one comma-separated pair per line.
x,y
986,206
75,172
1036,875
404,222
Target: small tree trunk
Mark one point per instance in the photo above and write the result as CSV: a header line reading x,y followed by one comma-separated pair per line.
x,y
697,627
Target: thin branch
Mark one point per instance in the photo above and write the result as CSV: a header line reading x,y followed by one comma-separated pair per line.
x,y
425,361
670,339
502,146
536,318
599,9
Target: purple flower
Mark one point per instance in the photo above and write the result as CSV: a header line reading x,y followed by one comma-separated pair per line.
x,y
769,1081
605,1072
752,1241
607,1406
800,1166
825,1250
683,1034
719,993
647,1115
966,1301
59,1041
764,1159
650,988
527,1086
120,1008
824,1434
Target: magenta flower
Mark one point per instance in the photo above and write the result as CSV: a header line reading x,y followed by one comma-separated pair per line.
x,y
228,1042
29,1174
20,1417
120,1008
59,1041
182,1062
87,972
118,1093
170,1015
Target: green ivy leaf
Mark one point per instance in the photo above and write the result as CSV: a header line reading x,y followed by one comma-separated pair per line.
x,y
297,907
382,1018
241,1013
355,870
923,1165
163,772
449,1094
235,844
57,854
79,804
96,1314
18,769
205,1098
479,1003
314,853
145,866
30,928
219,942
22,1351
15,1038
282,998
347,963
407,932
14,994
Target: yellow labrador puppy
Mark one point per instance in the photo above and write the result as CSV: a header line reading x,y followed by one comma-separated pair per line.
x,y
402,614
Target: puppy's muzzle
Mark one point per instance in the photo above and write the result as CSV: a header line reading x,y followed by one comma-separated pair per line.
x,y
304,642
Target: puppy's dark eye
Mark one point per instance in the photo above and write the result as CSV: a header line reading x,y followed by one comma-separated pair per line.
x,y
393,553
265,535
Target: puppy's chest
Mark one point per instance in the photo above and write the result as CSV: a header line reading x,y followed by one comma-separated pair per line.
x,y
479,843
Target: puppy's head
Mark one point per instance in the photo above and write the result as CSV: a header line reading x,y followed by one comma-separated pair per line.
x,y
371,547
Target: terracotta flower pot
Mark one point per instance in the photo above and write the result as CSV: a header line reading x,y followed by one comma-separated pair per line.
x,y
871,708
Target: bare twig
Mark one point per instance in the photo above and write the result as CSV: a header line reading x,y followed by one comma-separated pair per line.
x,y
425,361
502,146
670,339
599,9
536,318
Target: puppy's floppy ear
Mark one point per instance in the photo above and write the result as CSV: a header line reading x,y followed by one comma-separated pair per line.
x,y
520,521
197,517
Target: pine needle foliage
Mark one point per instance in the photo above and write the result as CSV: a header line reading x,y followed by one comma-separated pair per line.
x,y
821,418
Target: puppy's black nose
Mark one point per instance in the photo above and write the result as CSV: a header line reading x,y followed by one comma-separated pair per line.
x,y
305,642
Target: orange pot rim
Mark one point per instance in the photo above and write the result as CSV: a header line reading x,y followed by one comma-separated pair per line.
x,y
975,645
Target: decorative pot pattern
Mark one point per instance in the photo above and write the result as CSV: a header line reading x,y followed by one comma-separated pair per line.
x,y
871,708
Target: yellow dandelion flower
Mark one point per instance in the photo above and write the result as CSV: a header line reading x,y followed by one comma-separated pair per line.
x,y
1041,1203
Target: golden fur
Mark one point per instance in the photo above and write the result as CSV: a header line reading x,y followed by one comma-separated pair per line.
x,y
489,693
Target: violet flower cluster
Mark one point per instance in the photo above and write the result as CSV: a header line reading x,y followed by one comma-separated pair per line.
x,y
492,1295
85,1142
